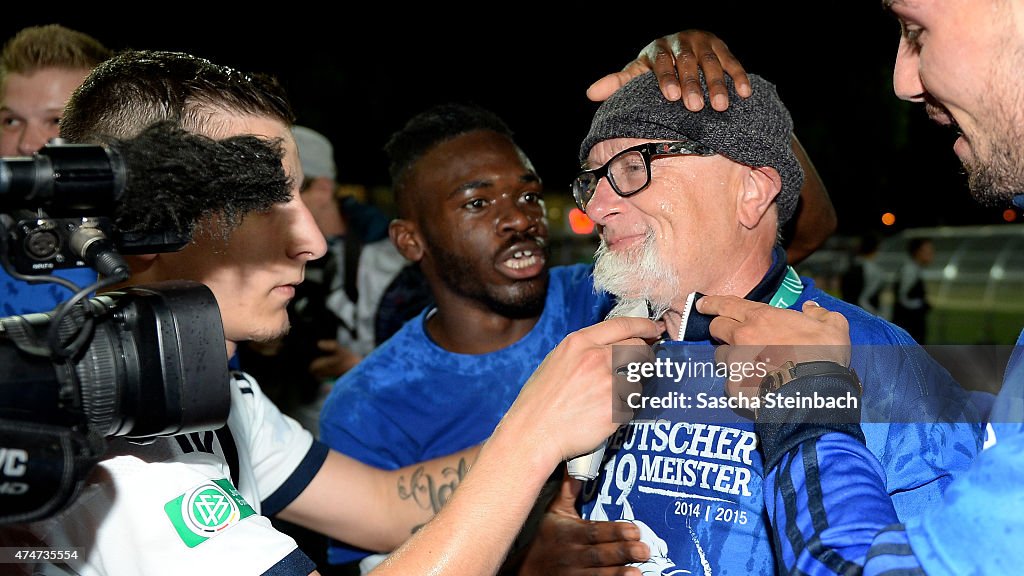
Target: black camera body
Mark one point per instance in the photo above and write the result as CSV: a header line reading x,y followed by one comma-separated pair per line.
x,y
155,366
141,362
59,203
39,245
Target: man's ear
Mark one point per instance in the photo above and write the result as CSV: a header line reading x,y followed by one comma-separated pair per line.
x,y
760,187
405,235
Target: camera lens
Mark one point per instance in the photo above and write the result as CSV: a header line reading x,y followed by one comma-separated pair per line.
x,y
155,365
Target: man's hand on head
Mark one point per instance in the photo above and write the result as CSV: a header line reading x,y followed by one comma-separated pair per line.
x,y
676,59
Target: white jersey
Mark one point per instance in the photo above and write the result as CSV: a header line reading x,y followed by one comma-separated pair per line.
x,y
171,507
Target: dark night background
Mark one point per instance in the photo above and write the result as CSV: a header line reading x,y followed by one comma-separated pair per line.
x,y
357,78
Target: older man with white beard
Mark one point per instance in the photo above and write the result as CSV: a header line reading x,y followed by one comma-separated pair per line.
x,y
961,59
690,204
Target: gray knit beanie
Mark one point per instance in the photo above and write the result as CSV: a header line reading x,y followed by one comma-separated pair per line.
x,y
755,131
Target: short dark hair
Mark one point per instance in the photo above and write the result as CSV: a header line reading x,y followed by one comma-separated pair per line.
x,y
430,128
138,88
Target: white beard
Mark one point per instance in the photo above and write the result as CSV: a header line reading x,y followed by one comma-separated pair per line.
x,y
641,280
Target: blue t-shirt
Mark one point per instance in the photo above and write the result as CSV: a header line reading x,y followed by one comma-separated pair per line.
x,y
411,400
18,297
692,481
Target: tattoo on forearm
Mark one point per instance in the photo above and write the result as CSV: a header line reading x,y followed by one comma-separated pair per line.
x,y
428,492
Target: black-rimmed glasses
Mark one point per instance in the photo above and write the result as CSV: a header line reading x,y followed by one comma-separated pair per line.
x,y
629,171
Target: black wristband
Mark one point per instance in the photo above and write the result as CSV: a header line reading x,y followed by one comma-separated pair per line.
x,y
805,408
823,395
778,439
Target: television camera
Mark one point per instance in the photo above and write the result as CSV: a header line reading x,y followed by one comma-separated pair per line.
x,y
139,362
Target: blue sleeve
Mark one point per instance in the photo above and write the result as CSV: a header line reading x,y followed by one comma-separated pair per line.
x,y
977,527
358,441
825,492
353,423
827,503
830,514
912,406
362,414
361,427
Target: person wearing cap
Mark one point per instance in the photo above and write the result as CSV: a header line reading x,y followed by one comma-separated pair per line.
x,y
471,214
691,203
959,62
